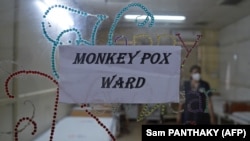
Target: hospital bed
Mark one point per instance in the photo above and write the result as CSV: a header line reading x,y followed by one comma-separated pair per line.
x,y
240,118
237,112
81,127
219,108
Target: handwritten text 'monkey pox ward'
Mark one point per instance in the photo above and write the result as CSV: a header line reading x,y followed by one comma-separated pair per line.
x,y
121,58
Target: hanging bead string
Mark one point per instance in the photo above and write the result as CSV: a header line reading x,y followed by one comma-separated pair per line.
x,y
90,113
56,101
119,15
57,41
19,122
135,37
22,72
121,37
100,18
32,117
55,113
80,40
31,72
53,60
188,51
167,36
145,112
99,122
84,14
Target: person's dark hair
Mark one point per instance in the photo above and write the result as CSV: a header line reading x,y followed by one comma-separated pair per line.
x,y
198,68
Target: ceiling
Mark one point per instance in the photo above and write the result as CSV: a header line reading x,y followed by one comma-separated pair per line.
x,y
199,13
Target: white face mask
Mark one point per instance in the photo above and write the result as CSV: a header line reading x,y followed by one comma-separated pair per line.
x,y
196,76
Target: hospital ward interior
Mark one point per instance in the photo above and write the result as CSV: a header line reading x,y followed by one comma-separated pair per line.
x,y
68,68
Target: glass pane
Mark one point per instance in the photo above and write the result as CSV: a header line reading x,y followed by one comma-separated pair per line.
x,y
6,122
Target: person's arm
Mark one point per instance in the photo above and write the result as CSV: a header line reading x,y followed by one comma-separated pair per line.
x,y
210,104
178,118
211,111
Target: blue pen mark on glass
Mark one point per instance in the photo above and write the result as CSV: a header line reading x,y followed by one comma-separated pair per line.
x,y
122,37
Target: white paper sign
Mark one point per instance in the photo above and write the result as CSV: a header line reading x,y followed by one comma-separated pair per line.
x,y
119,74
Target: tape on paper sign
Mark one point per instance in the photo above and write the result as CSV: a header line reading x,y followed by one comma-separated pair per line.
x,y
110,74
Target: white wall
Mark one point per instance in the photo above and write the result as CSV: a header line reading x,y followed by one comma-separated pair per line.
x,y
6,53
25,45
235,60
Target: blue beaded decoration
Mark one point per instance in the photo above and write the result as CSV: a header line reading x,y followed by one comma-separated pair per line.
x,y
79,41
92,40
119,15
